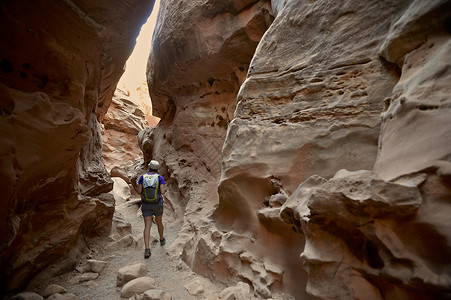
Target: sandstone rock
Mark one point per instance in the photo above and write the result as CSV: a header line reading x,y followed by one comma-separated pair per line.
x,y
194,90
296,207
121,190
416,133
358,208
242,291
122,123
88,276
96,266
124,242
98,220
278,199
131,272
27,296
119,172
413,27
228,293
220,40
282,296
52,98
74,280
413,150
375,197
58,296
137,286
247,257
289,111
53,289
120,227
317,107
156,295
305,111
275,270
123,115
194,287
93,180
139,241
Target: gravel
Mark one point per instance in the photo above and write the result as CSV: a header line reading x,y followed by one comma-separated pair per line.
x,y
170,275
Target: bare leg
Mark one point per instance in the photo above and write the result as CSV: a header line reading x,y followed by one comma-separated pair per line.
x,y
146,233
159,221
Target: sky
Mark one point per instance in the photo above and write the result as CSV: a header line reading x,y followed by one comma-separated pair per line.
x,y
135,71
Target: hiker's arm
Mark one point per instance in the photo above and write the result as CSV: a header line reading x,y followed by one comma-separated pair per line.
x,y
163,189
139,188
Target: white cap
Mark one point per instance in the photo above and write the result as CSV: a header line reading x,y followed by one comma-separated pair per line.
x,y
153,164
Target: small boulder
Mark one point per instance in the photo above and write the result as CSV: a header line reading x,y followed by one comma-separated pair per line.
x,y
131,272
121,244
139,241
156,295
62,297
53,289
121,190
137,286
74,280
242,291
120,227
27,296
96,266
88,276
194,287
228,293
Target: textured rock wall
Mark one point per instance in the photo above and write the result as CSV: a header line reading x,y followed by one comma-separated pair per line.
x,y
319,80
199,58
60,62
121,125
388,227
287,219
310,105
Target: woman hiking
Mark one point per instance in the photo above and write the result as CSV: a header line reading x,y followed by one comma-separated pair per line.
x,y
152,186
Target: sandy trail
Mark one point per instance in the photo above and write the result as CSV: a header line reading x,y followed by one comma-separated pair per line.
x,y
170,275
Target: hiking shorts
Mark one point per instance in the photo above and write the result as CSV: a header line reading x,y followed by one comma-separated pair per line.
x,y
152,209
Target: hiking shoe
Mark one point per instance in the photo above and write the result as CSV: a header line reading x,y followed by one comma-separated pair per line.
x,y
163,241
147,253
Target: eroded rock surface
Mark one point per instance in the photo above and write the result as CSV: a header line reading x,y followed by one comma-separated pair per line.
x,y
60,63
416,131
311,105
121,125
199,58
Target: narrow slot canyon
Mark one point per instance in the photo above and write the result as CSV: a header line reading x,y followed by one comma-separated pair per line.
x,y
305,146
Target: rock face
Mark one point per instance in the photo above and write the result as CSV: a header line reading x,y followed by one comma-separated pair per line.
x,y
59,68
122,123
311,105
199,58
415,124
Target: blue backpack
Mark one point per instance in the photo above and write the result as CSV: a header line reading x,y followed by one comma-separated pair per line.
x,y
151,188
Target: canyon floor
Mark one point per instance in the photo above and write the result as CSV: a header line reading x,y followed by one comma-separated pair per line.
x,y
171,275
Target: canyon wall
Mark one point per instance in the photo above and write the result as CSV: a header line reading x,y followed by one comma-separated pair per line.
x,y
121,125
199,58
60,63
335,177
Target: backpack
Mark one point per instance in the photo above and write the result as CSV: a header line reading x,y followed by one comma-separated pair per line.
x,y
151,188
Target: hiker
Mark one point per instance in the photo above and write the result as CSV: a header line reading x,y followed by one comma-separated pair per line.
x,y
151,186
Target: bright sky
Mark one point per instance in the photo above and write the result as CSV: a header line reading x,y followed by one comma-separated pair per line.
x,y
135,72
